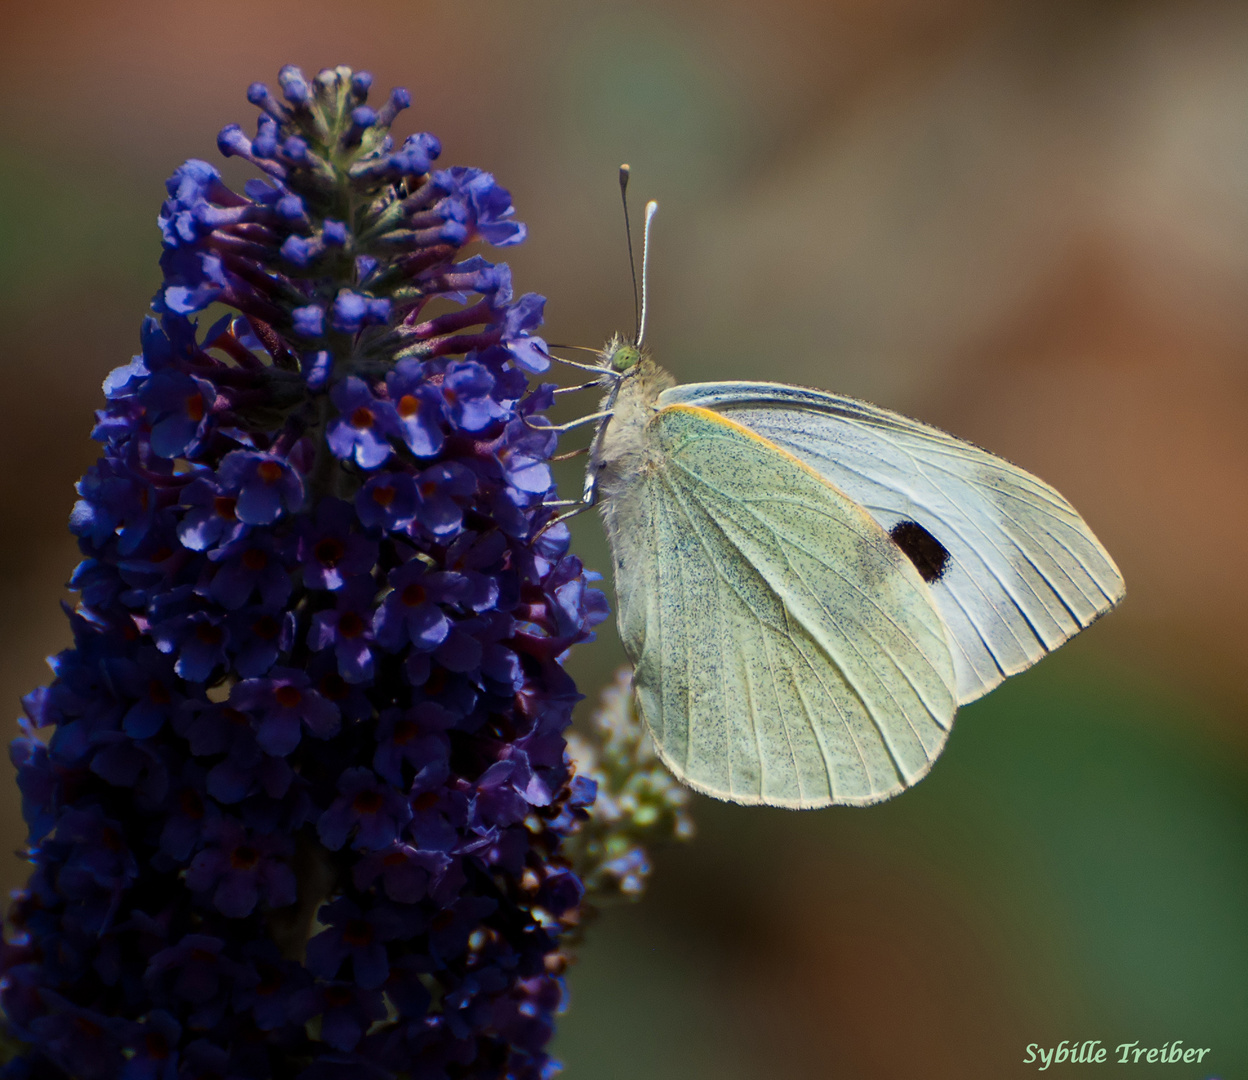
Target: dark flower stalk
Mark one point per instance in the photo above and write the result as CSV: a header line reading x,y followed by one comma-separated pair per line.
x,y
300,784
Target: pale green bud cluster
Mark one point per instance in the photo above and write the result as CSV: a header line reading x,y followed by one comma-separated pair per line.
x,y
638,805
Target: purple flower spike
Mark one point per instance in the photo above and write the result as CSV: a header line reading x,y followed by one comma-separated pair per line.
x,y
293,85
316,666
561,892
399,100
364,425
299,251
530,353
95,854
524,464
150,682
368,808
204,1058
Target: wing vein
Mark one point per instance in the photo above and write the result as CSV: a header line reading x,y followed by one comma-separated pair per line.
x,y
816,638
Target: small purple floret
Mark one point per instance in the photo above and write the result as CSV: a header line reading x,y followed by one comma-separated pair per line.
x,y
241,870
330,549
283,704
267,486
387,501
368,810
419,406
347,628
308,321
364,425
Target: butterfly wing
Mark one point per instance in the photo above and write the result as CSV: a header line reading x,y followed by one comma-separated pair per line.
x,y
785,651
1024,571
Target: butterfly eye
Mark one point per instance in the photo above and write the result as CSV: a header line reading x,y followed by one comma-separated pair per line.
x,y
624,357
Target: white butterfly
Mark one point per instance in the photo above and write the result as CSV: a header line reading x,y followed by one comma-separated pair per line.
x,y
809,586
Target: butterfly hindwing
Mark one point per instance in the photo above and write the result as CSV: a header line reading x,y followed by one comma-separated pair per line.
x,y
1023,572
786,652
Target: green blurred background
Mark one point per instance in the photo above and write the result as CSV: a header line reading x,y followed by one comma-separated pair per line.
x,y
1023,220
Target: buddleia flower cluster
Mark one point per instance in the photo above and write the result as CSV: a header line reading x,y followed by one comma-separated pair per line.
x,y
296,793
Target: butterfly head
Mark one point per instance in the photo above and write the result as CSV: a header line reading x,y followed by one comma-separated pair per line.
x,y
621,356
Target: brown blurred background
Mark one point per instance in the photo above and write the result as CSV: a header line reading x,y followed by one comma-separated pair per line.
x,y
1023,220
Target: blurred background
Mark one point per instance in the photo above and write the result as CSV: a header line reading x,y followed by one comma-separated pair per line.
x,y
1025,221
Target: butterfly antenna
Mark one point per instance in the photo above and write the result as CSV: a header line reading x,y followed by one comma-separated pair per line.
x,y
652,208
632,266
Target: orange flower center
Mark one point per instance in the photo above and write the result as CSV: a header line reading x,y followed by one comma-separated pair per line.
x,y
269,471
367,802
255,559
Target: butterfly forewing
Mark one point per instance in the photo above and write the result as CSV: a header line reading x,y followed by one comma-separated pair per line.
x,y
786,651
1024,572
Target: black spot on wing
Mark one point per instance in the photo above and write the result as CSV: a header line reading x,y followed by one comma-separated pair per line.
x,y
927,553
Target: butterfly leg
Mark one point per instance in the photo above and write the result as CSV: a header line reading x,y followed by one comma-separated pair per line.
x,y
592,418
598,369
559,519
583,386
579,506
